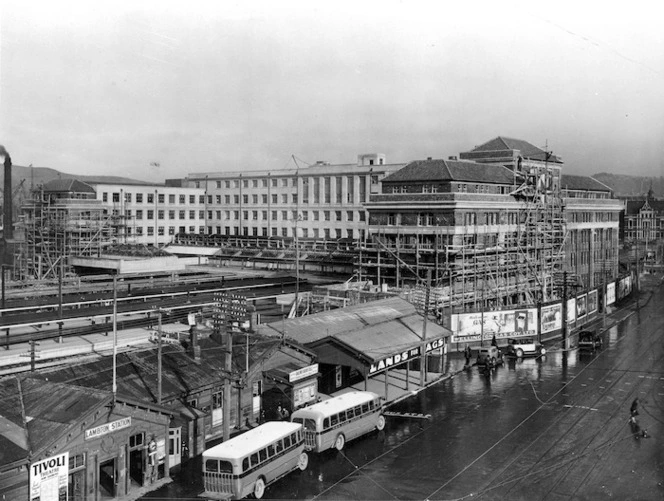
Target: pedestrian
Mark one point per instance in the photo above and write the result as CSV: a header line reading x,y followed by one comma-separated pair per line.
x,y
494,342
283,413
634,410
468,353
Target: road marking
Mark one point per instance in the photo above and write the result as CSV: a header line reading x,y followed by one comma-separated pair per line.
x,y
580,407
602,387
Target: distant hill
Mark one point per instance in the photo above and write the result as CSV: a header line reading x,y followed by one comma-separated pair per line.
x,y
632,186
35,176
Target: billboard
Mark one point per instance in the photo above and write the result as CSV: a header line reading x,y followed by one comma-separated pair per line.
x,y
503,324
49,477
552,317
592,302
581,309
571,310
610,293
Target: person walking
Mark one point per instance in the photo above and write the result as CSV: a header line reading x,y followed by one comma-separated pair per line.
x,y
468,353
494,342
634,410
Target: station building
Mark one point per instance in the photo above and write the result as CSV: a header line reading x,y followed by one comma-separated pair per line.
x,y
62,441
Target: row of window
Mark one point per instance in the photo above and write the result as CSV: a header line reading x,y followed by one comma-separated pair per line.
x,y
246,215
161,230
257,458
150,198
327,233
349,414
284,182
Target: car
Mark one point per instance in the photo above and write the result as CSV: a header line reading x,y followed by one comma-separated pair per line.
x,y
589,340
490,356
521,347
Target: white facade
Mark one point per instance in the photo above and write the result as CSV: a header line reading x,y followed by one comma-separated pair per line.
x,y
321,201
152,214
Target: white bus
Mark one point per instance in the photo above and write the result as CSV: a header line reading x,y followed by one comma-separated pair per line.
x,y
332,422
246,464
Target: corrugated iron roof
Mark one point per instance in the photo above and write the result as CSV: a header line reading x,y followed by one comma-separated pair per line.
x,y
311,328
68,185
524,148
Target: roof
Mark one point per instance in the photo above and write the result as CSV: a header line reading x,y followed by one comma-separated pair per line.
x,y
136,371
633,207
51,409
451,170
68,186
569,182
253,440
524,148
311,328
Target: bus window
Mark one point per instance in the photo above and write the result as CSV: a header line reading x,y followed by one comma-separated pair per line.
x,y
212,466
358,410
342,416
271,450
371,405
225,467
349,414
254,459
365,408
334,419
287,442
245,464
279,446
293,438
263,454
326,423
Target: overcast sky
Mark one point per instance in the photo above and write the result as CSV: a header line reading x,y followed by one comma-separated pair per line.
x,y
113,87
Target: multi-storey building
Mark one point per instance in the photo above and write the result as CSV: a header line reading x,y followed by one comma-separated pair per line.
x,y
153,214
499,227
320,201
643,229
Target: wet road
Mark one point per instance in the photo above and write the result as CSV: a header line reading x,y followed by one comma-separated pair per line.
x,y
534,429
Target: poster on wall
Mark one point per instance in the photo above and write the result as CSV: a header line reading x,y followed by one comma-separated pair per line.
x,y
581,307
628,284
621,293
552,317
610,293
504,324
49,478
592,302
571,310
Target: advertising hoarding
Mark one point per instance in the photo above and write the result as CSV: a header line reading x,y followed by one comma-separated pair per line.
x,y
581,309
552,317
610,293
592,302
467,327
571,310
49,478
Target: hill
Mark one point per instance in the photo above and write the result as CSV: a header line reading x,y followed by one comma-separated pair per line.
x,y
632,186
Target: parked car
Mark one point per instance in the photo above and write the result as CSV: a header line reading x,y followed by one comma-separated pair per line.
x,y
589,340
490,356
521,347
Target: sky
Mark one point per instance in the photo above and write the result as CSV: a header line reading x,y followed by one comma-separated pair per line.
x,y
158,90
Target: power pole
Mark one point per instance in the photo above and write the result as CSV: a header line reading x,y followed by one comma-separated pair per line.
x,y
423,354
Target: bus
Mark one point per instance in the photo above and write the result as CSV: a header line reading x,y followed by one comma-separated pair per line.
x,y
248,463
332,422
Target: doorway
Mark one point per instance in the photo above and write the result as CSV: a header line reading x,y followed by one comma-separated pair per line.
x,y
174,446
107,476
136,467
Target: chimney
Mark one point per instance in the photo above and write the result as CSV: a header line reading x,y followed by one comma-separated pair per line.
x,y
194,349
7,201
453,157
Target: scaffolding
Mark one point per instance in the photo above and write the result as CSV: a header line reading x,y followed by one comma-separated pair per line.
x,y
494,264
53,228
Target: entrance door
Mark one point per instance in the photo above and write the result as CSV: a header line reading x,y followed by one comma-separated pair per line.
x,y
136,467
107,478
174,445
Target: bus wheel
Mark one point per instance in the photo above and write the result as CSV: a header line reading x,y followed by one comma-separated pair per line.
x,y
259,488
340,442
380,425
303,461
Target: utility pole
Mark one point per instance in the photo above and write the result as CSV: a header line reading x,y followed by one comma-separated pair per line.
x,y
159,357
115,335
423,354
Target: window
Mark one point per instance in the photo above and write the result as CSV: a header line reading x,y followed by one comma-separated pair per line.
x,y
182,199
171,214
254,183
218,184
201,199
227,199
327,215
294,198
171,199
160,230
139,214
150,198
254,199
192,199
264,183
136,440
264,198
104,197
274,215
181,214
201,214
150,231
116,197
284,215
274,183
171,230
245,214
139,230
245,183
349,215
192,214
284,182
227,184
139,198
245,199
284,199
128,197
162,198
337,215
217,199
160,214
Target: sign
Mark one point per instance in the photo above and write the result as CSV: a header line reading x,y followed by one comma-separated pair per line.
x,y
404,356
592,302
571,310
49,478
610,293
302,373
503,324
552,316
104,429
581,306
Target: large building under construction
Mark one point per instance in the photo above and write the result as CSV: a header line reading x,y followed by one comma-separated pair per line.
x,y
498,226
